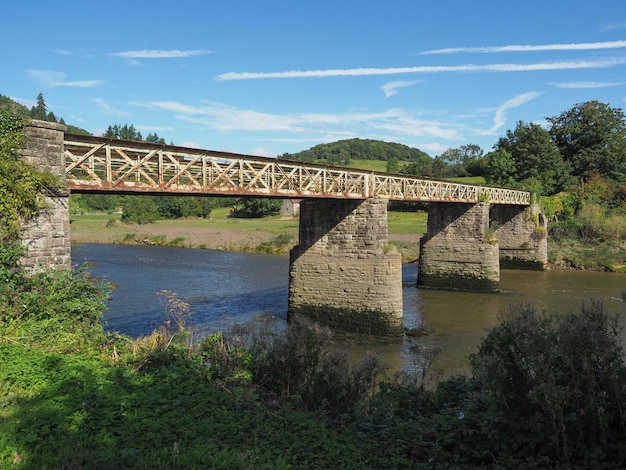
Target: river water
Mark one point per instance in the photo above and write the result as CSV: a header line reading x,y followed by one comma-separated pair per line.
x,y
225,288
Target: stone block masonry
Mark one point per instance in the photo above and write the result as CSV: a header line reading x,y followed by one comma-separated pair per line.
x,y
48,236
342,273
459,252
522,235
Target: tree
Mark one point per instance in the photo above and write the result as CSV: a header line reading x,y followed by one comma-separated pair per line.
x,y
591,137
393,165
462,158
537,160
124,132
155,139
40,111
500,168
139,209
260,207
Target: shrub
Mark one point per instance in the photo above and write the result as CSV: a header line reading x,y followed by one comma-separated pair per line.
x,y
301,363
561,379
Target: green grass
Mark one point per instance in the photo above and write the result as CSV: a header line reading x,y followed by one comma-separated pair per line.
x,y
75,411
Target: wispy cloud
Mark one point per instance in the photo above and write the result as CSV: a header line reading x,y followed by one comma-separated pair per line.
x,y
229,118
108,109
499,118
613,26
48,78
576,85
584,46
160,54
428,69
391,88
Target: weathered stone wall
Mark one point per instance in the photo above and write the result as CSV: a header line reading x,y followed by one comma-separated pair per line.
x,y
48,236
522,235
458,251
341,273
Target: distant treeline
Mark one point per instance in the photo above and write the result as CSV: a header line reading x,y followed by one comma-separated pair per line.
x,y
345,151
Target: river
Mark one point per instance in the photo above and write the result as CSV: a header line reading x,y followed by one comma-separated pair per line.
x,y
224,288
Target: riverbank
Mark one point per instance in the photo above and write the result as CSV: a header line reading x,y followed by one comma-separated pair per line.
x,y
275,235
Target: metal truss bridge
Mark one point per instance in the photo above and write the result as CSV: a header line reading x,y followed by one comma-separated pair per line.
x,y
97,164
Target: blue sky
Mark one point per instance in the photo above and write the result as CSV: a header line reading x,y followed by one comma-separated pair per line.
x,y
269,77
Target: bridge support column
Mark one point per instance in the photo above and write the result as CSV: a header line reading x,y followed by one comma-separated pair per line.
x,y
341,274
458,251
48,236
522,234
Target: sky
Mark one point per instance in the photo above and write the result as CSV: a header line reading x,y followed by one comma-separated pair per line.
x,y
273,77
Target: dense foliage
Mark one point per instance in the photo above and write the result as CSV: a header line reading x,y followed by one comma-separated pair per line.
x,y
345,151
258,207
18,178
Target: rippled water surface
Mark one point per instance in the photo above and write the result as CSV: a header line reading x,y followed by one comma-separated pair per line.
x,y
226,287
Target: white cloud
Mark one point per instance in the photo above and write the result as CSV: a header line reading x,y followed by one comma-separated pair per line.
x,y
423,69
190,144
329,126
391,88
532,48
576,85
499,118
613,26
159,54
154,128
49,78
108,109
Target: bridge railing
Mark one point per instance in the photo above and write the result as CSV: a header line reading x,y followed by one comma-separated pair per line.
x,y
96,164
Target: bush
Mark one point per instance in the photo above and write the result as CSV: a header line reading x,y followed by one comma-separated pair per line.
x,y
561,379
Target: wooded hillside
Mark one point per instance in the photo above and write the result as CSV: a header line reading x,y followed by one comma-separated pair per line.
x,y
343,152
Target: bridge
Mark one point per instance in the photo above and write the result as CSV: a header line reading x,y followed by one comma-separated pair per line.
x,y
343,272
111,165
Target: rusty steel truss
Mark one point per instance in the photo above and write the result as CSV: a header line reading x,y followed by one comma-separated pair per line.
x,y
96,164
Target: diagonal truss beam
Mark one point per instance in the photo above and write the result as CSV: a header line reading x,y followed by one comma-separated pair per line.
x,y
108,165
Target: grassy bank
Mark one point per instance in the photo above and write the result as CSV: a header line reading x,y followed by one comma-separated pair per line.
x,y
74,397
275,235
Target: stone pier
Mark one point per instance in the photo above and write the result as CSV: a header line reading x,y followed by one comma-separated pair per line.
x,y
48,236
459,251
522,234
342,273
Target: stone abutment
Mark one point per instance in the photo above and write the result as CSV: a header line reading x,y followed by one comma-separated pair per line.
x,y
48,236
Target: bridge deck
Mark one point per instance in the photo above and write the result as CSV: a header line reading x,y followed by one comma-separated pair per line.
x,y
96,164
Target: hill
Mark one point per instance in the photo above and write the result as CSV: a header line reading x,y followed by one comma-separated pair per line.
x,y
37,112
343,152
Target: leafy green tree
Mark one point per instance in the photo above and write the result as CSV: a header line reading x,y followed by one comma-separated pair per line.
x,y
139,209
260,207
592,139
500,168
393,165
538,163
420,167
